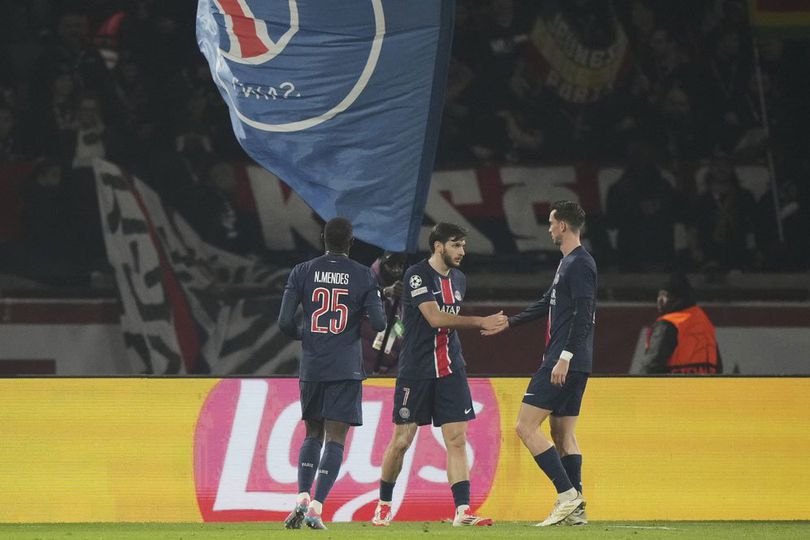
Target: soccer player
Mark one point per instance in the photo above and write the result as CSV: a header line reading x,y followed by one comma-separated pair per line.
x,y
556,389
335,292
432,382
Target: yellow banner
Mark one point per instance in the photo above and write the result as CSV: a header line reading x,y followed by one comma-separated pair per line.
x,y
78,450
780,18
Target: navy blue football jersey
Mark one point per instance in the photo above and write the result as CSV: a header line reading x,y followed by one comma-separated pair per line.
x,y
573,292
575,278
427,352
334,292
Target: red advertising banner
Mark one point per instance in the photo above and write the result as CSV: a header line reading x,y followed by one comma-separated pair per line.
x,y
246,448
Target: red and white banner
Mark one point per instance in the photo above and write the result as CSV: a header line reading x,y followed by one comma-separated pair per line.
x,y
177,314
504,209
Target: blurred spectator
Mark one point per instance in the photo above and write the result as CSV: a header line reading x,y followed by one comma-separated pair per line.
x,y
14,145
683,339
683,128
666,65
794,200
643,207
724,220
89,137
381,349
726,75
218,211
52,252
70,51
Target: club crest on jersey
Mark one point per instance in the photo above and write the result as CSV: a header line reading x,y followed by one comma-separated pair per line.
x,y
257,52
457,295
404,413
415,281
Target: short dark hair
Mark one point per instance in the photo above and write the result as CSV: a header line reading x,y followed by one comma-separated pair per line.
x,y
444,232
338,234
677,285
570,212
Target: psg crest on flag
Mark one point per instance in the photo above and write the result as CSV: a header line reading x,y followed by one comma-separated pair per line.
x,y
260,48
339,99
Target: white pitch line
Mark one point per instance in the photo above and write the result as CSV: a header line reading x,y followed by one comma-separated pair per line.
x,y
641,527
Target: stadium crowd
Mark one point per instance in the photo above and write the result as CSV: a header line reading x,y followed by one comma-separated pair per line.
x,y
123,80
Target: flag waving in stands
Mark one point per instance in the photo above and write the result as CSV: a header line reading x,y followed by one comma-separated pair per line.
x,y
341,100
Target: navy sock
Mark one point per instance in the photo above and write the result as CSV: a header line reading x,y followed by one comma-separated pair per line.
x,y
550,462
386,491
573,468
308,458
461,493
328,469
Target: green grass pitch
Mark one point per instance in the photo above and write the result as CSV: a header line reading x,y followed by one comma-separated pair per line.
x,y
611,530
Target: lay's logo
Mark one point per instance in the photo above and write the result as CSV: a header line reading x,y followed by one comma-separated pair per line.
x,y
246,450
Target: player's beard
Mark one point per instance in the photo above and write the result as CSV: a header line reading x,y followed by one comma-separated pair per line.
x,y
556,240
449,262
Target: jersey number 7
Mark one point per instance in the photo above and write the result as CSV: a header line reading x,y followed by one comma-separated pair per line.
x,y
329,300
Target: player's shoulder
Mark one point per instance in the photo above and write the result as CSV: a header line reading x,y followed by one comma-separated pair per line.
x,y
417,274
418,266
303,267
421,268
582,257
360,269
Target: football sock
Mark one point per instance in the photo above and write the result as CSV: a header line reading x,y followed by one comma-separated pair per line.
x,y
308,458
328,469
549,462
572,463
386,491
461,493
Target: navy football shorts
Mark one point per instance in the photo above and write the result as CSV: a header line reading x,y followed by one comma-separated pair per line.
x,y
341,401
441,401
562,400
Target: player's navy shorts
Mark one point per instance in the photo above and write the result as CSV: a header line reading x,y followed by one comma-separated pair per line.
x,y
440,401
341,401
562,400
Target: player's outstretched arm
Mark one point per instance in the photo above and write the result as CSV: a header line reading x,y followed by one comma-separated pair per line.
x,y
439,319
535,311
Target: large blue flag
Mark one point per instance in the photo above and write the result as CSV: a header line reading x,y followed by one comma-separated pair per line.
x,y
341,99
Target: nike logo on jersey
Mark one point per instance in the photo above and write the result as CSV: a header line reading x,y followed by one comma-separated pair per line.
x,y
524,395
467,411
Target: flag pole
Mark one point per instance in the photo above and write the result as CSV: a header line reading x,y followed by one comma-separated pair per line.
x,y
768,149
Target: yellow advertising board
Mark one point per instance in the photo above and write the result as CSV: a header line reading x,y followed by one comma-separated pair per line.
x,y
189,450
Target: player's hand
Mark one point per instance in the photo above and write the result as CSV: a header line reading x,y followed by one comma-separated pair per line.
x,y
494,323
498,330
559,372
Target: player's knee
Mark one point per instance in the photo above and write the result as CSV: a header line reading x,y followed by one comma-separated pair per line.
x,y
400,445
456,440
524,431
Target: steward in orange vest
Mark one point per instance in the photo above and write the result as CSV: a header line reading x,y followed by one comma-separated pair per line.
x,y
683,339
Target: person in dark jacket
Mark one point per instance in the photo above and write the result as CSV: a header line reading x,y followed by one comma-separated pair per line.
x,y
682,339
